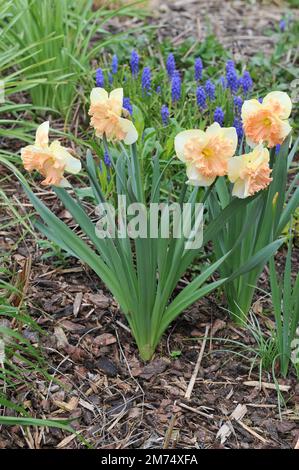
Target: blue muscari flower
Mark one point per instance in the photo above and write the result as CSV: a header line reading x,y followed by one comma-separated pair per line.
x,y
238,102
247,82
107,160
277,149
198,69
260,100
110,78
201,97
239,127
164,114
282,25
232,80
100,81
230,65
219,115
134,63
210,90
170,65
158,89
146,79
222,81
127,105
176,87
114,64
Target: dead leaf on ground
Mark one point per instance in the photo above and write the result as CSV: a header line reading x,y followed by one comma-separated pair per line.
x,y
99,300
154,368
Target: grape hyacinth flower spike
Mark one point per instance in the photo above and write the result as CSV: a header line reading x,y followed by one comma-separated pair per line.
x,y
170,65
247,83
176,87
210,90
100,81
134,63
219,115
164,114
198,67
114,65
201,97
127,105
146,79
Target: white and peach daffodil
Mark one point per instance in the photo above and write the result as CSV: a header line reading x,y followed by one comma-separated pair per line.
x,y
51,161
106,111
206,154
267,122
250,172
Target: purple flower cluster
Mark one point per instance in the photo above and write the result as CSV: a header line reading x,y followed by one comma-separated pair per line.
x,y
164,114
210,90
170,65
238,102
100,80
282,25
134,63
198,67
247,83
232,76
219,115
114,65
107,160
127,105
238,125
201,97
176,87
146,79
222,81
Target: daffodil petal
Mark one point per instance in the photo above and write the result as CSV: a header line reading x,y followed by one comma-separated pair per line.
x,y
213,129
235,165
196,179
42,135
281,100
250,107
230,134
240,189
251,143
183,137
64,183
285,129
98,96
71,164
117,94
129,129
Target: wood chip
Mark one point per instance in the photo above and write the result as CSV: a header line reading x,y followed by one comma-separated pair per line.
x,y
195,410
66,441
227,428
86,404
260,385
61,338
197,365
253,433
77,303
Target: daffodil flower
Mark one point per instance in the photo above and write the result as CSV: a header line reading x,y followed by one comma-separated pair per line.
x,y
267,122
106,116
250,172
206,154
51,161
